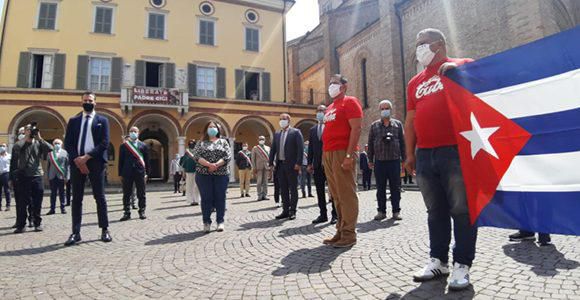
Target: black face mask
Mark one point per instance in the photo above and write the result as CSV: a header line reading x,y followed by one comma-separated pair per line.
x,y
88,107
191,146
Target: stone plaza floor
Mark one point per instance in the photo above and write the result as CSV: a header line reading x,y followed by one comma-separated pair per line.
x,y
167,256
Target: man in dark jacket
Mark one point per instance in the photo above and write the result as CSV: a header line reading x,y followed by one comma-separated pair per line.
x,y
133,168
365,168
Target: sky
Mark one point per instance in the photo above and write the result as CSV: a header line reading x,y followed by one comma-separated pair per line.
x,y
301,18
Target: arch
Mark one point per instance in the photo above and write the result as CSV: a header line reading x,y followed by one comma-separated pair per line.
x,y
304,126
362,63
34,109
262,121
208,116
148,113
115,117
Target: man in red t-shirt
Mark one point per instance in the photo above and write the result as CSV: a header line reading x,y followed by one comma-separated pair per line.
x,y
342,128
428,128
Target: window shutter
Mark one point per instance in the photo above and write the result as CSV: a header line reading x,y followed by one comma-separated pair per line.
x,y
59,69
266,94
139,73
240,85
23,79
82,72
192,79
170,75
116,74
221,82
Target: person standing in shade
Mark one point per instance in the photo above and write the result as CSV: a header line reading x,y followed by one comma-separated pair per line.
x,y
244,163
5,175
189,166
343,125
260,157
429,128
365,168
386,150
26,166
175,170
274,175
58,174
317,169
133,168
305,178
15,184
87,142
212,155
287,151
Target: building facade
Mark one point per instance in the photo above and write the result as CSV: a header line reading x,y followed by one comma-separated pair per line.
x,y
372,42
166,66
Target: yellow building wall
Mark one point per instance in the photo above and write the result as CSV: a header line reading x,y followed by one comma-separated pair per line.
x,y
74,37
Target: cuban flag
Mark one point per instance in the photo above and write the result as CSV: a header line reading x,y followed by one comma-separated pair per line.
x,y
517,120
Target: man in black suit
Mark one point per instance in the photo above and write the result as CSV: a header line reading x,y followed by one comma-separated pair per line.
x,y
87,141
287,150
315,166
133,168
365,168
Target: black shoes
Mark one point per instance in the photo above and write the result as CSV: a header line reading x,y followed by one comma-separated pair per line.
x,y
50,212
334,220
20,230
106,236
73,239
142,216
248,195
518,236
38,228
265,198
282,216
125,217
30,225
292,217
63,211
320,219
7,208
133,206
310,196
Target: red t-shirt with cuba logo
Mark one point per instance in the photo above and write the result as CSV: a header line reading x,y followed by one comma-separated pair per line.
x,y
433,126
336,126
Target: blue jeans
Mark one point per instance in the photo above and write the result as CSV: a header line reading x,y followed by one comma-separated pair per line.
x,y
388,170
212,189
305,180
441,182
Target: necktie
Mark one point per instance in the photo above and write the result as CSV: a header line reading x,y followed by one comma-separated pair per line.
x,y
319,131
84,135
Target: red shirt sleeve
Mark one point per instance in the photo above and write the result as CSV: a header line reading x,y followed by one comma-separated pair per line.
x,y
354,110
411,100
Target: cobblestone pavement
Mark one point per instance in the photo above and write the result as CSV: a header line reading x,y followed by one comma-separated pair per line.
x,y
167,256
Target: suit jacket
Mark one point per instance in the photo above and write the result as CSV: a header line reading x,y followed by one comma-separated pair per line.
x,y
129,165
258,160
100,131
62,159
364,161
293,148
315,149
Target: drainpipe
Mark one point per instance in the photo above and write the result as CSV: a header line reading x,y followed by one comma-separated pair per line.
x,y
401,48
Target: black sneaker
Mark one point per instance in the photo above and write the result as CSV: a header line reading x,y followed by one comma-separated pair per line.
x,y
320,219
50,212
20,230
142,216
125,217
519,236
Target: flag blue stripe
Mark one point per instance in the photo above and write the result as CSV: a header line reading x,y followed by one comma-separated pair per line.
x,y
545,212
547,57
552,133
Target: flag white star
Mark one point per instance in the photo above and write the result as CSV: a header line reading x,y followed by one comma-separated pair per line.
x,y
479,138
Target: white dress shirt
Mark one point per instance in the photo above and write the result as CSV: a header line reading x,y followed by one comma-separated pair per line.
x,y
5,163
89,144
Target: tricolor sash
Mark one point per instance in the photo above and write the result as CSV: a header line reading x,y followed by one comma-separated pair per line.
x,y
264,153
135,152
246,157
56,164
189,153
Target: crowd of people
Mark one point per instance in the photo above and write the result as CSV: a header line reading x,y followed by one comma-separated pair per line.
x,y
329,157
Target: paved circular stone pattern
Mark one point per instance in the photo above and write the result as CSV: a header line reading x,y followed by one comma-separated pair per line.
x,y
167,256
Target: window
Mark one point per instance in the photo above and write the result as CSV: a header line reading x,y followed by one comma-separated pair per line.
x,y
311,100
47,15
252,39
154,74
206,82
252,86
207,32
365,92
103,20
100,74
156,28
42,71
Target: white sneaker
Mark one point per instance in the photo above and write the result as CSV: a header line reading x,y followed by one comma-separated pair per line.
x,y
432,270
220,227
206,228
460,277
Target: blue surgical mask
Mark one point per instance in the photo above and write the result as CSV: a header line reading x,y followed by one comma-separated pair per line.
x,y
320,116
386,113
2,149
57,147
133,135
212,131
21,137
284,124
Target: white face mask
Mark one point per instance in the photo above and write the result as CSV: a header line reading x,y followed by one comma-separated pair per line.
x,y
262,142
334,90
21,137
2,149
283,123
424,55
245,148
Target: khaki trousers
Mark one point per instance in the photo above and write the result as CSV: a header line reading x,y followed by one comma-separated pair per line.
x,y
191,190
262,183
342,185
245,176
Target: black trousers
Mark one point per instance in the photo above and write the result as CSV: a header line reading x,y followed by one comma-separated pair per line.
x,y
176,181
288,180
139,181
29,200
68,191
320,182
276,184
367,174
56,189
97,177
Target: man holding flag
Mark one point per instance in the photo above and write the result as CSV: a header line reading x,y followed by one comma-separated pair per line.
x,y
58,175
429,129
133,168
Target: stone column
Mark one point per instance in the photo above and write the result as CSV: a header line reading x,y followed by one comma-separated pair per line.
x,y
181,145
232,163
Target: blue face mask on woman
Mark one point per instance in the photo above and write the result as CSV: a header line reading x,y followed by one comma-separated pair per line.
x,y
212,131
